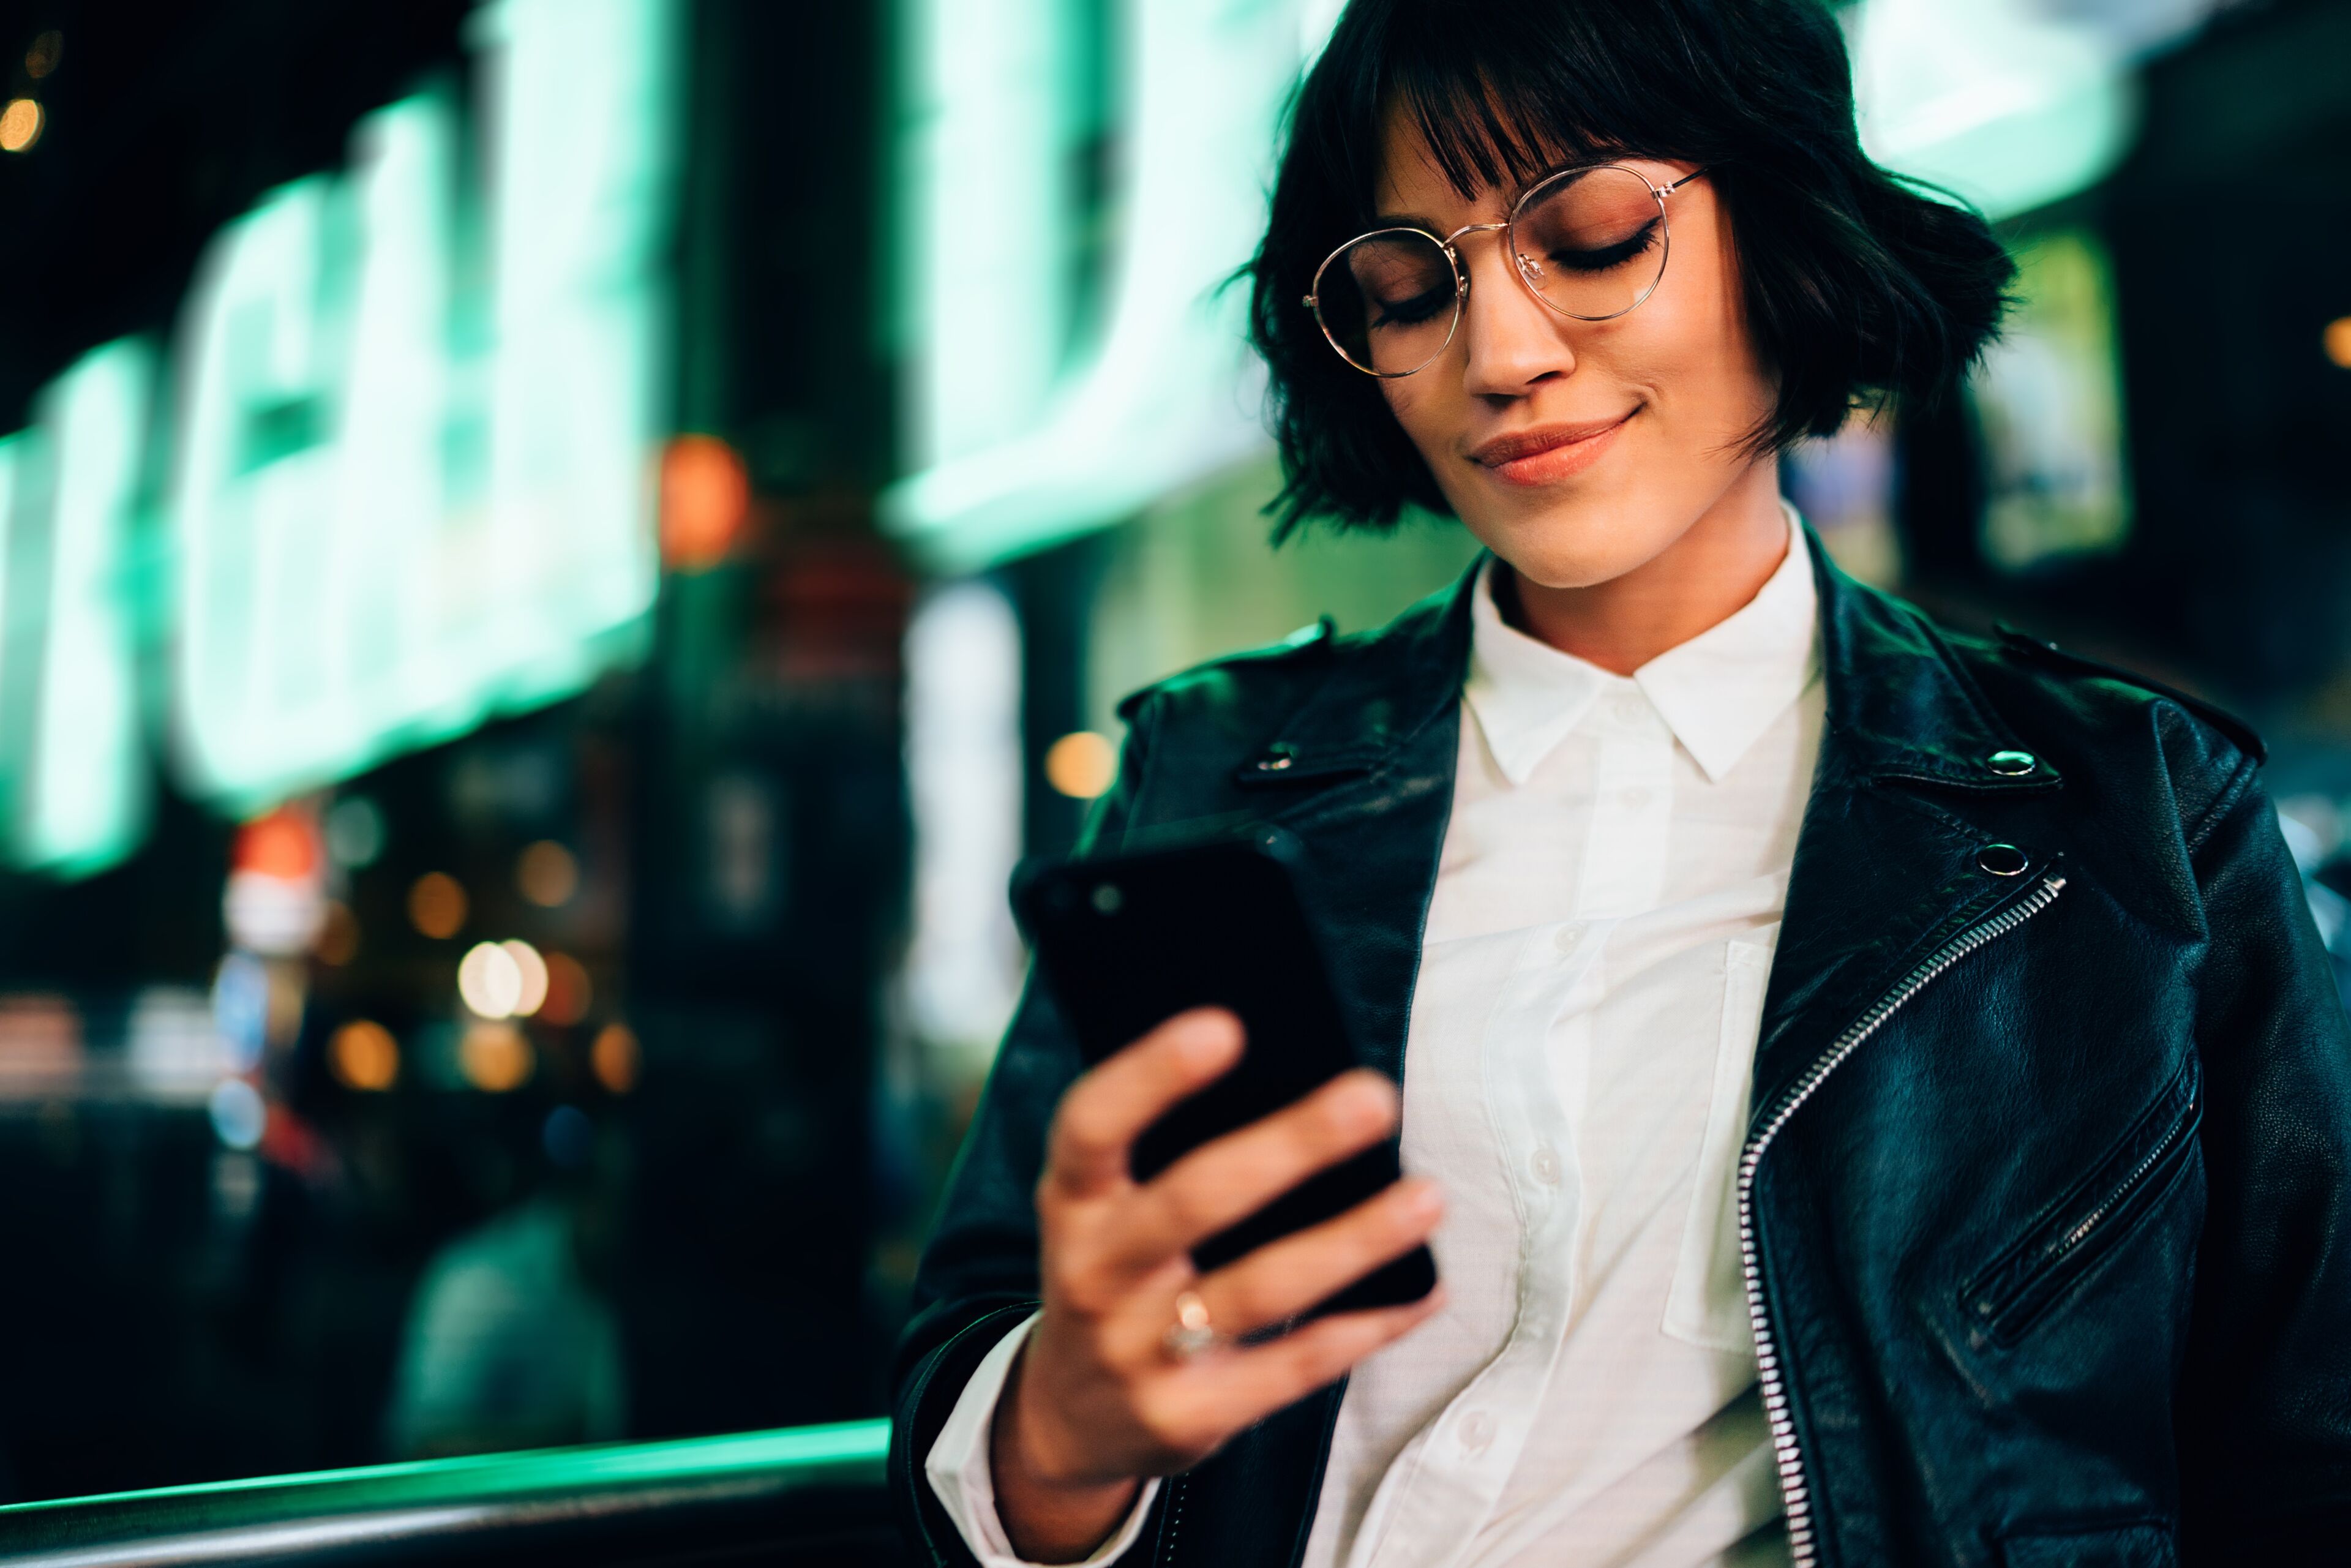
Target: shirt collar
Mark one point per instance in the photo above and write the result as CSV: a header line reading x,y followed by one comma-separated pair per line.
x,y
1718,693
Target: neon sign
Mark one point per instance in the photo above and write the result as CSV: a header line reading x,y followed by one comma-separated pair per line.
x,y
408,478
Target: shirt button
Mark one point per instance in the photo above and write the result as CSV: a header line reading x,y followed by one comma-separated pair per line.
x,y
1544,1164
1477,1432
1635,797
1569,935
1630,708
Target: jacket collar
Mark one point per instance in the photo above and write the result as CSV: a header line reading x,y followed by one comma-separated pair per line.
x,y
1900,708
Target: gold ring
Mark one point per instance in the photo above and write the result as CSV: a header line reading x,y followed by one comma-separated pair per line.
x,y
1191,1334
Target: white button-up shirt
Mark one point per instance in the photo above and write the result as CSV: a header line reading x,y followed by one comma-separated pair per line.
x,y
1576,1078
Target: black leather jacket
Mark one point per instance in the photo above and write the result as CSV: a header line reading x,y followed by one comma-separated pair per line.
x,y
2047,1187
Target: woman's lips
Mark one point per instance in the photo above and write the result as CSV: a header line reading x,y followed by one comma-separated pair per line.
x,y
1548,454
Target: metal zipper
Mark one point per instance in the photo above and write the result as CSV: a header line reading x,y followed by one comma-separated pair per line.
x,y
2081,1233
1801,1549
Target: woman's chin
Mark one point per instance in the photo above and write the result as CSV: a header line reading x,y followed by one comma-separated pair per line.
x,y
1568,547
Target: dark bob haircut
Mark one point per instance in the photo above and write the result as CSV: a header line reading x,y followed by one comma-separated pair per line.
x,y
1862,287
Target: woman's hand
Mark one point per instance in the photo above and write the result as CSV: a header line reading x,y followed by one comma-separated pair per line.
x,y
1096,1402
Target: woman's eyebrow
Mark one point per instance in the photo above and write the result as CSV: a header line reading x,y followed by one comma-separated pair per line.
x,y
1404,221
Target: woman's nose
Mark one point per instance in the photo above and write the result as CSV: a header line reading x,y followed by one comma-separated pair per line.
x,y
1513,341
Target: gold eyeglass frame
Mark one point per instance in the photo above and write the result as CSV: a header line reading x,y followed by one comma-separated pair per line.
x,y
1523,269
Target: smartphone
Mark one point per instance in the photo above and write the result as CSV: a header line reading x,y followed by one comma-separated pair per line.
x,y
1125,943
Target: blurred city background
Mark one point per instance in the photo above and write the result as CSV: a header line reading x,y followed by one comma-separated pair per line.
x,y
554,554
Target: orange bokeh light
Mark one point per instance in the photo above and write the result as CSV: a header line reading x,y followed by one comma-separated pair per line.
x,y
494,1057
616,1058
569,991
365,1056
20,125
436,905
281,845
705,499
1082,763
2338,340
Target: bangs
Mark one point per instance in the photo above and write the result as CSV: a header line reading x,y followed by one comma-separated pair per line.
x,y
1503,95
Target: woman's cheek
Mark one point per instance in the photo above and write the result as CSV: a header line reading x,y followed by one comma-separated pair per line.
x,y
1425,424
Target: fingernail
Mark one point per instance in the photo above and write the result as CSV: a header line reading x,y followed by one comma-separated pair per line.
x,y
1420,1199
1206,1037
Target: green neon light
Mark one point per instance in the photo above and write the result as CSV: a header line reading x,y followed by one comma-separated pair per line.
x,y
347,591
15,699
1993,100
858,1447
587,153
81,802
410,488
1171,395
982,152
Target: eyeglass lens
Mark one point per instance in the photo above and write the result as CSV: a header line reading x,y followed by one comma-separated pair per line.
x,y
1591,243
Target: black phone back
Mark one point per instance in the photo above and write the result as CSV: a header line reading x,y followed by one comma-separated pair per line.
x,y
1127,942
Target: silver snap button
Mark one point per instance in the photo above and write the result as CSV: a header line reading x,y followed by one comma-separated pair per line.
x,y
2012,764
2003,859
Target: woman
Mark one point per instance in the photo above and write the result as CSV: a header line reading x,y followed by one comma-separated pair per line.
x,y
1873,1095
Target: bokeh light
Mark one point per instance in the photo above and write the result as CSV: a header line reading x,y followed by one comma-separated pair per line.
x,y
47,53
569,991
20,126
364,1055
490,982
494,1057
2338,341
547,874
436,905
1082,764
238,1114
532,969
705,498
616,1058
568,1137
355,832
279,845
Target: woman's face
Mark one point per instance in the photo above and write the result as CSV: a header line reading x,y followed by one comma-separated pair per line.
x,y
1577,450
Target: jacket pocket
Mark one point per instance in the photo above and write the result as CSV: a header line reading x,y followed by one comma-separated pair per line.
x,y
2090,1217
2119,1546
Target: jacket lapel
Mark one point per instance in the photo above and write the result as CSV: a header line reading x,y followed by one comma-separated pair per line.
x,y
1886,866
1361,779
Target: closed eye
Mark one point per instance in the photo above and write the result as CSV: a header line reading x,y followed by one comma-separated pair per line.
x,y
1570,258
1414,310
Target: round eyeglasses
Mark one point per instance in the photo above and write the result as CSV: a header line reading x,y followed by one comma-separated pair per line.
x,y
1590,243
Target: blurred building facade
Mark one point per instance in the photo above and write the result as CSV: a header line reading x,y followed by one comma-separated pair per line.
x,y
554,554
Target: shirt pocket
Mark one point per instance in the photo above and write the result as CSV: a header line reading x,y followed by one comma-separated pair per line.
x,y
1707,1304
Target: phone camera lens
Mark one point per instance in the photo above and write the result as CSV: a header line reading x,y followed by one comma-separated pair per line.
x,y
1107,898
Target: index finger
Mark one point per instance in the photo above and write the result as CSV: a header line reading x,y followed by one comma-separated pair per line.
x,y
1108,1108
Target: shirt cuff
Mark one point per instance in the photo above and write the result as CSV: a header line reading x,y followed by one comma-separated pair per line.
x,y
959,1469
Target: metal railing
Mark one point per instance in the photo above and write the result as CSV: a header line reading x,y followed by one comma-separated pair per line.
x,y
804,1497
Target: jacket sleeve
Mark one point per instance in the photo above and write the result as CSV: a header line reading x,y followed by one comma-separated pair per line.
x,y
977,1279
2265,1404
